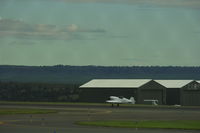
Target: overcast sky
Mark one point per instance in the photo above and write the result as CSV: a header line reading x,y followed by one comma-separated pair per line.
x,y
100,32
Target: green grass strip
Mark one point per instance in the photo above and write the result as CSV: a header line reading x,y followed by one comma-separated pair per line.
x,y
178,124
25,111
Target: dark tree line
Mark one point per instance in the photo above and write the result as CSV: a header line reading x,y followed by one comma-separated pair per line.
x,y
15,91
82,74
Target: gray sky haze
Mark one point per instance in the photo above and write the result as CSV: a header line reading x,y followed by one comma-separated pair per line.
x,y
100,32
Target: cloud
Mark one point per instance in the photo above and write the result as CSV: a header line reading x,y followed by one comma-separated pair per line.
x,y
14,25
92,30
72,28
21,29
22,42
145,3
45,28
76,28
19,25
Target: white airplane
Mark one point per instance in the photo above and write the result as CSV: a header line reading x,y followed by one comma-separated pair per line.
x,y
119,100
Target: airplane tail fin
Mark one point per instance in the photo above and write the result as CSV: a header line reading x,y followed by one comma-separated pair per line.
x,y
132,100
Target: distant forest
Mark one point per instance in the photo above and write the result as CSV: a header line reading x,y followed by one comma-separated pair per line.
x,y
61,83
15,91
82,74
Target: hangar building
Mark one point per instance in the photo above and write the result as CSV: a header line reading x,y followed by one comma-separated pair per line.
x,y
181,92
190,94
170,92
151,91
99,90
173,89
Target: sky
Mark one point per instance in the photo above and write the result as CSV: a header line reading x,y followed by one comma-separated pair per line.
x,y
100,32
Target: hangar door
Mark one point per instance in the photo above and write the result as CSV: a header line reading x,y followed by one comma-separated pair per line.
x,y
152,94
191,98
173,96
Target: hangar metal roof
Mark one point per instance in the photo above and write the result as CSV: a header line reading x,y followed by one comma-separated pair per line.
x,y
115,83
173,83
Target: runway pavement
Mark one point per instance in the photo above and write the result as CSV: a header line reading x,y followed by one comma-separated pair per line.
x,y
63,121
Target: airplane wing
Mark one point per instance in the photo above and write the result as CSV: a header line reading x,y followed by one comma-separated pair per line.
x,y
113,101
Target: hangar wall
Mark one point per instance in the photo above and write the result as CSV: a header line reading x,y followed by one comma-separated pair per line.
x,y
100,95
152,90
190,94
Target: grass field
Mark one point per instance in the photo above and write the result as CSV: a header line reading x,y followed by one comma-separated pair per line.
x,y
5,111
179,124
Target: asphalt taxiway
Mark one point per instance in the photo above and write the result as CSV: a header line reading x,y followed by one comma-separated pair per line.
x,y
64,120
